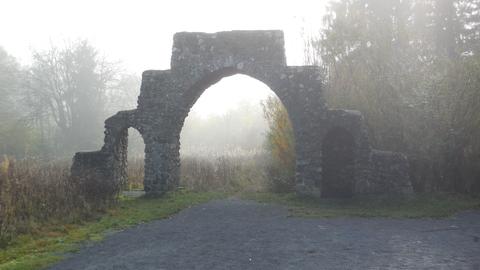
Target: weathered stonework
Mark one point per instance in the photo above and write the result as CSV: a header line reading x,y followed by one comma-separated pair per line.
x,y
198,61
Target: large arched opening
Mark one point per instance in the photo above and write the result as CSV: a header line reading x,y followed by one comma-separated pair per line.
x,y
223,139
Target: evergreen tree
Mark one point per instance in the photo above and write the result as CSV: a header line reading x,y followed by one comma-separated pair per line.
x,y
412,68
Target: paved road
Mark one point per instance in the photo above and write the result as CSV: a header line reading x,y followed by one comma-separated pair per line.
x,y
236,234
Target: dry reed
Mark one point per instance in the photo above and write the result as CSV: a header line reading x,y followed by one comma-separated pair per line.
x,y
33,193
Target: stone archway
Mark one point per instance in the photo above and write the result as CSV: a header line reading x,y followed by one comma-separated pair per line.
x,y
200,60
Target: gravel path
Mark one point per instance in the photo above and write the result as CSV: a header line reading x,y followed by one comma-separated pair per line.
x,y
236,234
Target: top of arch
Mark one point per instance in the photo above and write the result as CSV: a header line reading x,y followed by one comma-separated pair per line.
x,y
265,47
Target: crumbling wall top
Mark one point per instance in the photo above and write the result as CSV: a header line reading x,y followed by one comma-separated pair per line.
x,y
230,48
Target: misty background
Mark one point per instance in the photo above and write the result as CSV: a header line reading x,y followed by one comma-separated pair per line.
x,y
55,117
410,66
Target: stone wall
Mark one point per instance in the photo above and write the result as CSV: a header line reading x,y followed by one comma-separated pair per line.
x,y
198,61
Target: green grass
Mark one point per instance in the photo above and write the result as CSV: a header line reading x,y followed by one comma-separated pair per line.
x,y
434,206
48,245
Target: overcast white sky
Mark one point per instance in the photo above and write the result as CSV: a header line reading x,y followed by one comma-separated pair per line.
x,y
139,32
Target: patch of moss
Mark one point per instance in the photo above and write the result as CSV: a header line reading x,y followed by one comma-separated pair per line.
x,y
48,245
418,206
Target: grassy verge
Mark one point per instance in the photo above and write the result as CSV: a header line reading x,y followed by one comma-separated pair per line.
x,y
435,206
49,244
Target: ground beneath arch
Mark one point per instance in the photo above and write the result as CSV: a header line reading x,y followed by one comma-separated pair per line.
x,y
237,234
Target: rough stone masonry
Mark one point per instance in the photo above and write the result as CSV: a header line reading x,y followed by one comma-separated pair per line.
x,y
333,154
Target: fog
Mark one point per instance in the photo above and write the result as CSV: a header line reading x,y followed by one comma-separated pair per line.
x,y
133,36
234,126
402,76
139,33
411,67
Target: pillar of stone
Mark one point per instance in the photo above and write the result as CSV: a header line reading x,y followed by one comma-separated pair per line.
x,y
198,61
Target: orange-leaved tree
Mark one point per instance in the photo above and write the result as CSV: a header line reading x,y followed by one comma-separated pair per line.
x,y
280,145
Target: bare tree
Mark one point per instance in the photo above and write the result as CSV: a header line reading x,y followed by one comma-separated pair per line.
x,y
67,88
15,135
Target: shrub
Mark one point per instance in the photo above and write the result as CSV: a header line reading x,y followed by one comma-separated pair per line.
x,y
280,146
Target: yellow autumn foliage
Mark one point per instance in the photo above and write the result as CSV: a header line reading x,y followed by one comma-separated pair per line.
x,y
280,145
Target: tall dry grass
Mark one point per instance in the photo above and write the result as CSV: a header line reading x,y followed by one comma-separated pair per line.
x,y
135,174
225,172
33,193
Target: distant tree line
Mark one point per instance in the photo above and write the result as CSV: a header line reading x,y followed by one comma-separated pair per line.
x,y
412,67
57,105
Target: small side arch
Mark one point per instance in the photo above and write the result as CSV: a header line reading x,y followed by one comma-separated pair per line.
x,y
106,168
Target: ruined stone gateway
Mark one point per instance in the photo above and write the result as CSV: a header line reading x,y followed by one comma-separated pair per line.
x,y
333,155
